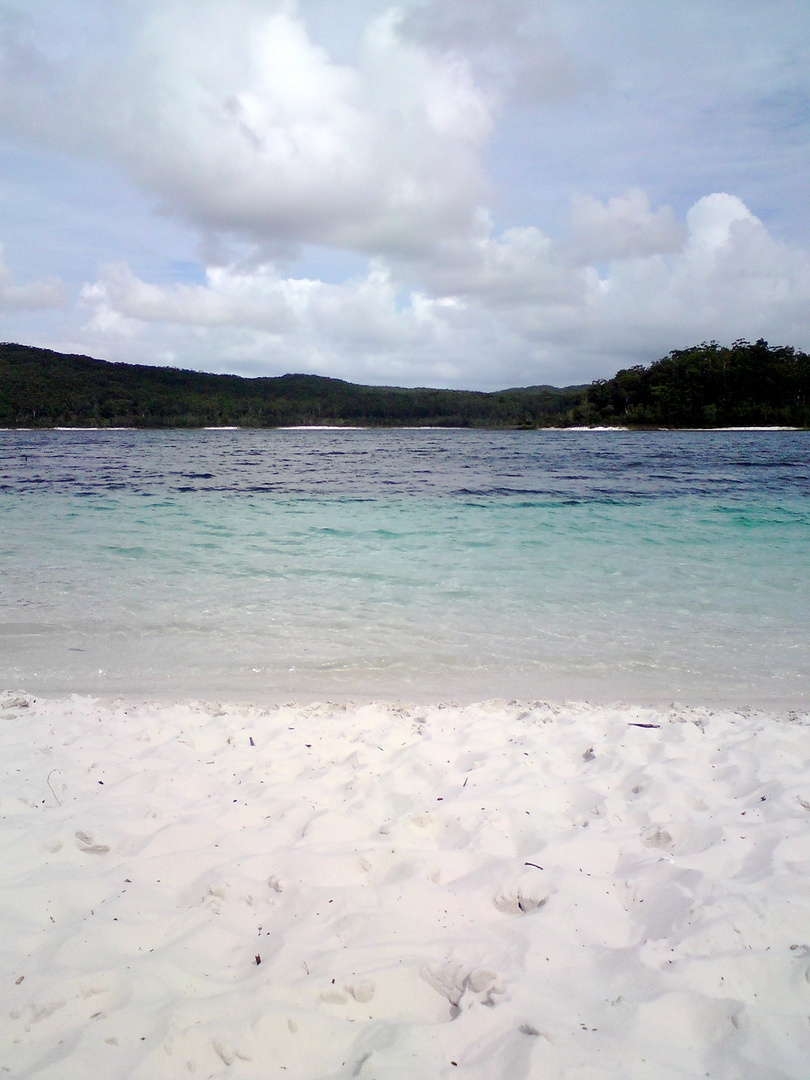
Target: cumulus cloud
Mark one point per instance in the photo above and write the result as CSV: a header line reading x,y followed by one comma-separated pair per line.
x,y
232,114
256,299
712,219
517,308
309,324
512,46
31,296
268,131
730,278
624,226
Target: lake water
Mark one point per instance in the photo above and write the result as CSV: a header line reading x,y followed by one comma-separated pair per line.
x,y
419,564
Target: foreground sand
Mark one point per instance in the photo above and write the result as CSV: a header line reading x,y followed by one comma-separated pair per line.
x,y
324,891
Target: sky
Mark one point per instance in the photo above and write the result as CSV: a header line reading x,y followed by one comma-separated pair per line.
x,y
462,193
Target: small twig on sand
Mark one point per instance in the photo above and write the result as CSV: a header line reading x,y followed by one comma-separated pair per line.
x,y
50,774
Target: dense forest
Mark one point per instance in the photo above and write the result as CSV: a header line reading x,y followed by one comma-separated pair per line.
x,y
705,386
39,388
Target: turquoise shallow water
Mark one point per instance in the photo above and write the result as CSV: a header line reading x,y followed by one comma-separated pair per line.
x,y
644,566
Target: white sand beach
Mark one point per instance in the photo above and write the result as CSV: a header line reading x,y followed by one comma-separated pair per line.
x,y
499,890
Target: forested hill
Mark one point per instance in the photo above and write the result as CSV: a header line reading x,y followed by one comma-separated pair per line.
x,y
706,386
39,388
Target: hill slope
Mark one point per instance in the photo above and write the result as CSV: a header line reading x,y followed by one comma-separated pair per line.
x,y
39,388
705,386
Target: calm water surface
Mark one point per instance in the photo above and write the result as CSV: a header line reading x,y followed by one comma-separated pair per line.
x,y
650,566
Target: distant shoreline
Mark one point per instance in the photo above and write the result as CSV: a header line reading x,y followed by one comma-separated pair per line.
x,y
578,429
744,387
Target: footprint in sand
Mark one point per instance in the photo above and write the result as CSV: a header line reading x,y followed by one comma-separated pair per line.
x,y
333,997
521,896
454,981
658,838
361,992
227,1054
84,842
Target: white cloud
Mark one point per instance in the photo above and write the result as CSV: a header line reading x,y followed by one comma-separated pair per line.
x,y
518,308
288,142
625,226
298,324
31,296
239,122
513,47
729,279
712,219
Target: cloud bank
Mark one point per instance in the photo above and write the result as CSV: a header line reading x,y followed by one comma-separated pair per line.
x,y
524,305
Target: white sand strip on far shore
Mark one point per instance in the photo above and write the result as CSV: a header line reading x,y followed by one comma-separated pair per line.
x,y
402,893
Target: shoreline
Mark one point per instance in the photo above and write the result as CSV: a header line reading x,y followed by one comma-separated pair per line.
x,y
417,427
457,696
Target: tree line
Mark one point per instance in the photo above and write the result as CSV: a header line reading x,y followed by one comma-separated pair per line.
x,y
705,386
